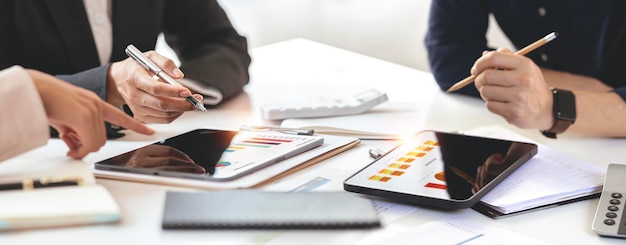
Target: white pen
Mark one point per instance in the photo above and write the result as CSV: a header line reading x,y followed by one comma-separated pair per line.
x,y
138,56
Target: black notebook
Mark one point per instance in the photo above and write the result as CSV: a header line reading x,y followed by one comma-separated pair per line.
x,y
248,209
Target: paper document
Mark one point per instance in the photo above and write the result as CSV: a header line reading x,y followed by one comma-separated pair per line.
x,y
391,120
448,230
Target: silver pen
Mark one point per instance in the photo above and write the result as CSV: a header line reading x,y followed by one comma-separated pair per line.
x,y
138,56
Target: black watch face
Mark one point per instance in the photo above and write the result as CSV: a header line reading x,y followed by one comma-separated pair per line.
x,y
565,106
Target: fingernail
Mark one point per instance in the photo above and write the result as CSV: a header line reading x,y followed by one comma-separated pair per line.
x,y
185,94
177,72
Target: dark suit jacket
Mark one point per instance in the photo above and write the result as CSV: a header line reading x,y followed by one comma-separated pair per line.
x,y
55,37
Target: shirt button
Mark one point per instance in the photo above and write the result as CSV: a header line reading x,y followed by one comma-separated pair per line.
x,y
541,11
544,57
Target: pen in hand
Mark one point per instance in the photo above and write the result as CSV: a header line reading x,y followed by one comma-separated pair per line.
x,y
522,51
140,58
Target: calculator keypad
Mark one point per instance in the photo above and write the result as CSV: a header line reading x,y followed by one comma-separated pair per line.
x,y
609,219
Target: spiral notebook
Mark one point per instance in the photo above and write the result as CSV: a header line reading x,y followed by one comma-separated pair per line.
x,y
250,209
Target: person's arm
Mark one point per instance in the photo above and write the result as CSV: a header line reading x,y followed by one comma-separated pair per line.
x,y
600,114
32,100
455,39
24,125
599,111
520,95
79,114
209,48
569,81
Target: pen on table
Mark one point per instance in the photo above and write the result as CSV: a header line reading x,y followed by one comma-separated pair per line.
x,y
522,51
138,56
29,184
278,129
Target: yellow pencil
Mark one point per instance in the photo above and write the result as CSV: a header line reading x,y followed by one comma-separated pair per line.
x,y
523,51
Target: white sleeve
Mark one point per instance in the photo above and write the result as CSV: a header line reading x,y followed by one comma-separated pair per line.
x,y
23,124
211,95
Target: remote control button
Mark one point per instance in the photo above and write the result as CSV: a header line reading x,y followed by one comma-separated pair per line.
x,y
611,215
613,208
609,222
616,195
615,202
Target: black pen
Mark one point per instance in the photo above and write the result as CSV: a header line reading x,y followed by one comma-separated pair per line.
x,y
29,184
138,56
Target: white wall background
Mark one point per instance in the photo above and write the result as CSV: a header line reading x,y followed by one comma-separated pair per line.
x,y
391,30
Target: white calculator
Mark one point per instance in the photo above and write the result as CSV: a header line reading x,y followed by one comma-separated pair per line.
x,y
609,219
358,103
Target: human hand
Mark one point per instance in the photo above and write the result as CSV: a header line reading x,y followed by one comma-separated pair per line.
x,y
151,101
160,157
514,88
79,114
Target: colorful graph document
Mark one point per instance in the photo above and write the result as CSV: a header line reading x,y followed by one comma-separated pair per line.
x,y
248,149
416,167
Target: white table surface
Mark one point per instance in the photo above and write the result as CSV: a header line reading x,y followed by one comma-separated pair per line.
x,y
297,69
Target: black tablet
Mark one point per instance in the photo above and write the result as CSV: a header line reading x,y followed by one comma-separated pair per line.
x,y
444,170
210,154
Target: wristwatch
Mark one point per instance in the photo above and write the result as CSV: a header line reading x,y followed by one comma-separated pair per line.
x,y
564,110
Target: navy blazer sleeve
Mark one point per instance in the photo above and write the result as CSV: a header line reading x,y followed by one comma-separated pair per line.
x,y
455,39
210,49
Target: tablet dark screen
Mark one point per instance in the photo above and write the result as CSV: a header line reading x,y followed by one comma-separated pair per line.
x,y
211,154
435,166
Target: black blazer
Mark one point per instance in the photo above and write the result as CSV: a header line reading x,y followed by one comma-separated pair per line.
x,y
55,37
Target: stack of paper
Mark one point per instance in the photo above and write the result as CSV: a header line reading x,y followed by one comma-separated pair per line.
x,y
550,178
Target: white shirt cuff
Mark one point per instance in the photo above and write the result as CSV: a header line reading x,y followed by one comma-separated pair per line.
x,y
211,95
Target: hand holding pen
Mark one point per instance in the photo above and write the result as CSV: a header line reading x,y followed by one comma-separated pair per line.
x,y
513,87
521,52
151,101
144,61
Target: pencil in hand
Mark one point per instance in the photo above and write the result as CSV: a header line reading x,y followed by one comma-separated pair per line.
x,y
522,51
